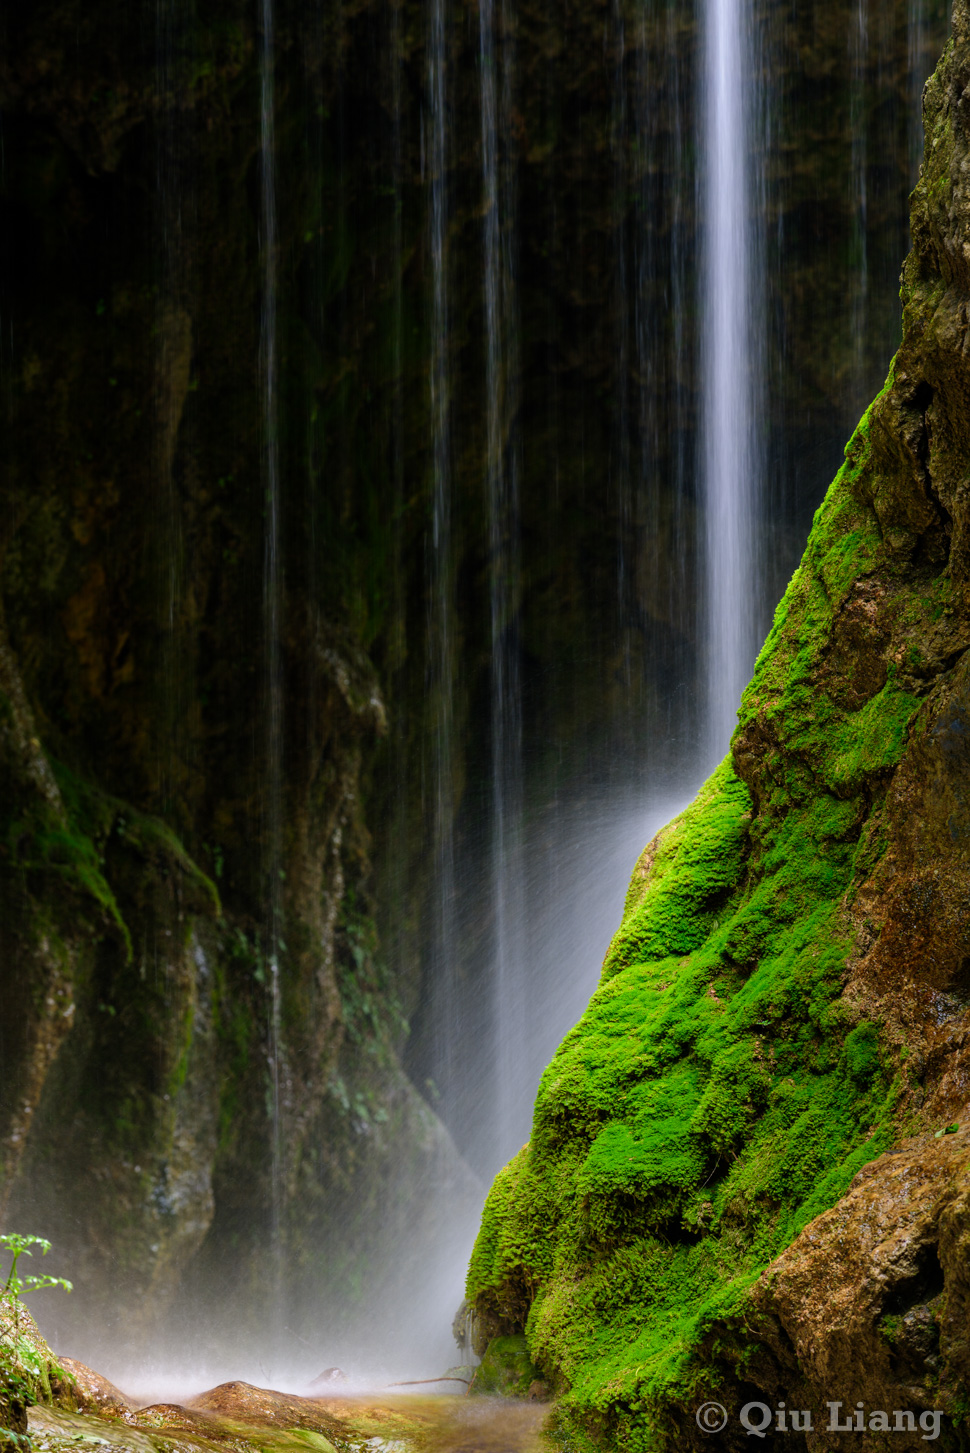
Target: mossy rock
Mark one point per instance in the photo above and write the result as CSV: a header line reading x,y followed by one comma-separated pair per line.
x,y
29,1374
506,1370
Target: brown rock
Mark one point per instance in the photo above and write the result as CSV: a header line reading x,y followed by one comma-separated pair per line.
x,y
871,1303
93,1393
56,1428
249,1404
165,1415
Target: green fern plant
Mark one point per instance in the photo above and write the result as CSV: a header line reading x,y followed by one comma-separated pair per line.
x,y
16,1287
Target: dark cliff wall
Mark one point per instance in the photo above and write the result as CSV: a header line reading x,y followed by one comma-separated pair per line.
x,y
173,1120
747,1178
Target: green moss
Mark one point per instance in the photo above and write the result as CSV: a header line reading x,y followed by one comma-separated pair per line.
x,y
871,740
371,1009
862,1052
29,1372
506,1368
695,860
40,839
73,844
236,1027
717,1093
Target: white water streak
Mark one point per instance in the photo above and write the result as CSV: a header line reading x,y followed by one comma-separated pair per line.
x,y
441,610
730,354
273,805
511,1006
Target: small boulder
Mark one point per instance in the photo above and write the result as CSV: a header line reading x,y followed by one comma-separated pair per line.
x,y
263,1406
329,1378
92,1393
506,1369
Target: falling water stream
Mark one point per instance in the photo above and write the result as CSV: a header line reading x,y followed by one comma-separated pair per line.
x,y
441,610
620,455
557,865
511,1007
729,368
272,625
173,340
917,65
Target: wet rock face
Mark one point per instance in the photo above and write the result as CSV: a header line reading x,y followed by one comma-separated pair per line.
x,y
13,1411
29,1373
869,1303
92,1393
140,839
506,1369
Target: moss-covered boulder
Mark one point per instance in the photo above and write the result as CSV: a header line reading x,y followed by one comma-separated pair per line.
x,y
788,991
29,1374
506,1368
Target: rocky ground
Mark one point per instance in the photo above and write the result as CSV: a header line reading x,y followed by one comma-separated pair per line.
x,y
53,1405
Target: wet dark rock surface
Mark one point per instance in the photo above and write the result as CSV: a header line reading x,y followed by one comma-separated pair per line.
x,y
93,1393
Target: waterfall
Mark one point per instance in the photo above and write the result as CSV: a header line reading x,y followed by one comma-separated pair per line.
x,y
729,368
400,838
441,604
272,666
620,452
511,1008
496,429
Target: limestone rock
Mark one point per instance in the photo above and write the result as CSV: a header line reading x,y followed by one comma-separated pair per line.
x,y
55,1430
260,1405
870,1303
93,1393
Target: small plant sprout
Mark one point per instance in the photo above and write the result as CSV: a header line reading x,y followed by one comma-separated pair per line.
x,y
16,1287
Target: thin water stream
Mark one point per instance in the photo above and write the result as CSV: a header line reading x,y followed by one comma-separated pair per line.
x,y
501,489
272,650
442,624
730,361
858,121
